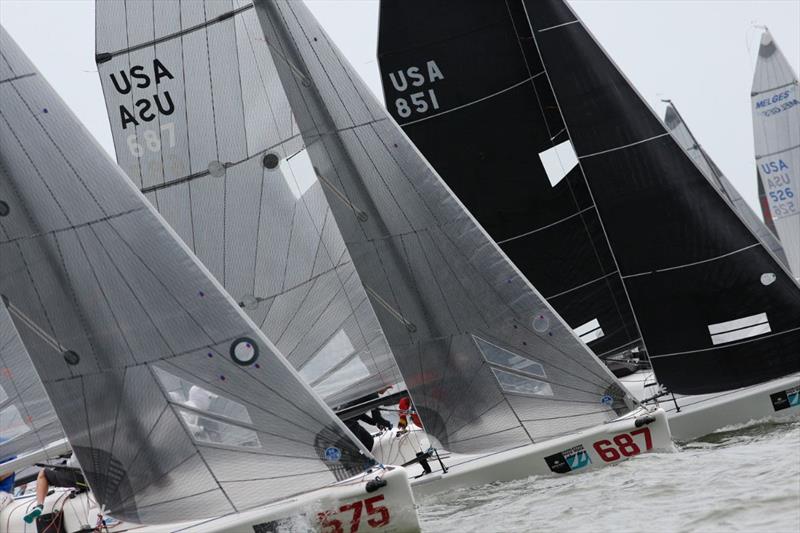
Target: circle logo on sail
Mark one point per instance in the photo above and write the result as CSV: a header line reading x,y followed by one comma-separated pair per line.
x,y
333,454
244,351
541,323
607,399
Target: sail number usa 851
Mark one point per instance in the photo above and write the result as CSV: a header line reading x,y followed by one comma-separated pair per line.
x,y
413,95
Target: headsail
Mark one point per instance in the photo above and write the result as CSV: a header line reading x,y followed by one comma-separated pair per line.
x,y
201,126
776,127
27,419
489,364
175,404
523,83
685,138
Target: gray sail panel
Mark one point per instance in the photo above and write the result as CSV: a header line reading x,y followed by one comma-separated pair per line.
x,y
202,126
27,419
775,99
151,367
680,131
475,342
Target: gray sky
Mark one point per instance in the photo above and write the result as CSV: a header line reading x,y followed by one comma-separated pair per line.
x,y
699,53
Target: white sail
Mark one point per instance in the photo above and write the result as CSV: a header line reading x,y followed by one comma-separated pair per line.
x,y
683,135
202,128
776,127
174,402
489,364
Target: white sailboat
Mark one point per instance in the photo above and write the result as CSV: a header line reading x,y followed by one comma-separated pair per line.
x,y
547,142
775,98
503,387
120,319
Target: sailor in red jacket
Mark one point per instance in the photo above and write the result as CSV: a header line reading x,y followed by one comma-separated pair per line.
x,y
405,408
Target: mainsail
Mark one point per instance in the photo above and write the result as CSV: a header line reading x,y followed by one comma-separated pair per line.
x,y
553,150
775,99
174,402
683,135
489,364
201,126
27,419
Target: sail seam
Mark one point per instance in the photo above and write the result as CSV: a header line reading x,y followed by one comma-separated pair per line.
x,y
546,226
557,26
778,152
678,267
756,93
71,227
562,293
15,78
479,100
722,347
106,56
624,146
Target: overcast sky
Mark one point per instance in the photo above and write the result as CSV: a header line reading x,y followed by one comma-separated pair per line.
x,y
699,53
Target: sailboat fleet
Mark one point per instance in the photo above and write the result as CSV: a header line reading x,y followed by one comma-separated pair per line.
x,y
272,244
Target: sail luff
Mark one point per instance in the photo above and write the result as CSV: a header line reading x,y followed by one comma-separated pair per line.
x,y
684,136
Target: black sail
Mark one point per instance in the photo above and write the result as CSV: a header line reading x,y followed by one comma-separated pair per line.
x,y
634,228
479,66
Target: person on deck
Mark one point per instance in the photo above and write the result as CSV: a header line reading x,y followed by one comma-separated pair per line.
x,y
70,478
377,420
405,408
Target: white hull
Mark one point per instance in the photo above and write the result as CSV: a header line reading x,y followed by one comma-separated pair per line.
x,y
579,452
347,505
691,417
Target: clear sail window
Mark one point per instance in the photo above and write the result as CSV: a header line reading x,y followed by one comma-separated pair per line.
x,y
500,356
3,395
335,351
298,172
558,161
211,430
350,374
186,393
521,385
12,424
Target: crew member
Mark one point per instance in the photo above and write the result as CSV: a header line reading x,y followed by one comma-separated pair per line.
x,y
405,408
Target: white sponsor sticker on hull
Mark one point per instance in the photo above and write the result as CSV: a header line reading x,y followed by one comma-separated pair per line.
x,y
741,328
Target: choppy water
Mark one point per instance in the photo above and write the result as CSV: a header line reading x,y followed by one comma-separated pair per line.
x,y
745,479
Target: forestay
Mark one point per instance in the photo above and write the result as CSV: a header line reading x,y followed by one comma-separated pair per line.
x,y
173,401
683,135
520,84
200,124
27,419
775,101
489,364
